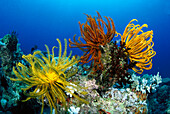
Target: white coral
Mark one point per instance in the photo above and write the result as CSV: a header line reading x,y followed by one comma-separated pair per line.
x,y
71,89
74,110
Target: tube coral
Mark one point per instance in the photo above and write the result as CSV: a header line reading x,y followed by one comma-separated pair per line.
x,y
139,46
46,78
94,36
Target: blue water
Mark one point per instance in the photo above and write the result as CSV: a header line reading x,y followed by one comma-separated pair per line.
x,y
40,22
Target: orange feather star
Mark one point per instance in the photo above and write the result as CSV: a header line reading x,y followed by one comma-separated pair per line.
x,y
94,35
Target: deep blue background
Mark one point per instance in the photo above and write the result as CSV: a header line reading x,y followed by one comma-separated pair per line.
x,y
40,22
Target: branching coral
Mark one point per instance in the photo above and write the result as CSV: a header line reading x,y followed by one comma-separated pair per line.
x,y
94,36
46,77
140,46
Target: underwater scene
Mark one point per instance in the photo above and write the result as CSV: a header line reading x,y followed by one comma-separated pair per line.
x,y
84,57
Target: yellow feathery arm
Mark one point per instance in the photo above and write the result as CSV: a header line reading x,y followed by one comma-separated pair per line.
x,y
140,46
60,50
53,62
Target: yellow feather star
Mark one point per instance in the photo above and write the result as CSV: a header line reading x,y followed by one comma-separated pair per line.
x,y
46,76
140,46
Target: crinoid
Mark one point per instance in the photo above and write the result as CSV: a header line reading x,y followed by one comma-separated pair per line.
x,y
95,33
45,77
139,45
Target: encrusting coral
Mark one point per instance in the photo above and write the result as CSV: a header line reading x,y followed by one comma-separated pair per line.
x,y
46,78
94,36
140,46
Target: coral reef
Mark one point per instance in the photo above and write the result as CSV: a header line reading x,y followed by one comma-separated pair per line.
x,y
146,83
10,53
134,52
111,62
68,85
123,101
159,101
116,100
